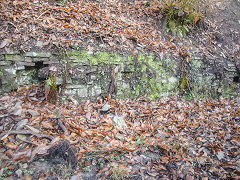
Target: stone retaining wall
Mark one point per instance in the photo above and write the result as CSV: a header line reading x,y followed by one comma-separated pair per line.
x,y
90,74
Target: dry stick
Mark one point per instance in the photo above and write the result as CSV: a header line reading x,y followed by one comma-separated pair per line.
x,y
25,132
60,123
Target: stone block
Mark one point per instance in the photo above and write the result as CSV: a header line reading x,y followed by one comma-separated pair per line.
x,y
96,91
14,57
5,63
40,59
93,77
28,59
74,86
9,57
17,67
70,91
125,85
83,92
38,54
25,64
11,52
12,71
2,58
91,70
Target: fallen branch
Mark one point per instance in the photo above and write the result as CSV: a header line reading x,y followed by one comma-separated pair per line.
x,y
61,125
26,132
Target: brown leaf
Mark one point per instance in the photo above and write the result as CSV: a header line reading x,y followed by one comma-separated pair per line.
x,y
9,153
24,155
47,125
11,145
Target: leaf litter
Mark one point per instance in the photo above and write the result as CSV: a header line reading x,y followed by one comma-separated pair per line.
x,y
46,24
103,139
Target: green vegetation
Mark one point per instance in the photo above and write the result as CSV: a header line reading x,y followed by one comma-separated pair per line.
x,y
182,15
51,92
61,2
119,173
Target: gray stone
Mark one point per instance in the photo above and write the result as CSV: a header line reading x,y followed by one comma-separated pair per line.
x,y
18,67
105,108
93,77
59,80
71,91
28,59
38,54
25,64
74,86
83,92
11,70
2,58
125,85
96,91
11,52
9,57
90,83
18,58
5,63
39,44
93,69
26,77
173,80
119,121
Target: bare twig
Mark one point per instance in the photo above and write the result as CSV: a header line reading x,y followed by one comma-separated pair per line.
x,y
60,123
42,14
25,132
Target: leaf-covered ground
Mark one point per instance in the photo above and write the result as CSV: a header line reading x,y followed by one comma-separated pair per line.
x,y
48,23
116,139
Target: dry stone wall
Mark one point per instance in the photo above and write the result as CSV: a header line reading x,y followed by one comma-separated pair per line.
x,y
89,74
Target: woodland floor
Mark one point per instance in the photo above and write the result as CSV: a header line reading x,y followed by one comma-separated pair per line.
x,y
167,139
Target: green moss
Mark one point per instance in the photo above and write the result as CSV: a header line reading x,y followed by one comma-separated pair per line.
x,y
227,90
144,68
9,57
80,56
184,83
131,59
154,93
141,58
144,77
106,58
95,59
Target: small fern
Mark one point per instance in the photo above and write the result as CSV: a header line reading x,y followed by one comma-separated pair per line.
x,y
181,15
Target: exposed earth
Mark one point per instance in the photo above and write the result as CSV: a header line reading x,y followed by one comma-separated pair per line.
x,y
118,139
